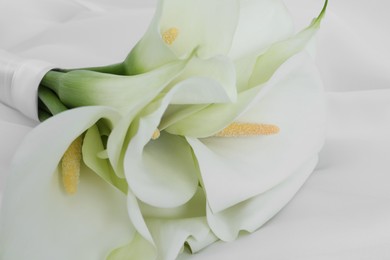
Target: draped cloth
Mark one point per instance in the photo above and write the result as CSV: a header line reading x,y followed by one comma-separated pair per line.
x,y
343,211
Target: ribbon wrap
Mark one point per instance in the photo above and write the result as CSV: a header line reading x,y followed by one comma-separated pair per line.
x,y
19,82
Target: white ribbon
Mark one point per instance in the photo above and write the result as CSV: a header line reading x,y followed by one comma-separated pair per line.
x,y
19,82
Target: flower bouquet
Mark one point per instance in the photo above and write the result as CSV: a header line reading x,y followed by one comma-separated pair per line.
x,y
208,128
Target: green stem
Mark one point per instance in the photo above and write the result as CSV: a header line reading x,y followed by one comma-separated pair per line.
x,y
51,101
43,115
52,80
116,69
317,21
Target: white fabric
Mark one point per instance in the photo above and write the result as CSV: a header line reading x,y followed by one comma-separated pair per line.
x,y
343,211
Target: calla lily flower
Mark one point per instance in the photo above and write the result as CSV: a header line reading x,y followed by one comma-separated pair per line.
x,y
208,128
38,221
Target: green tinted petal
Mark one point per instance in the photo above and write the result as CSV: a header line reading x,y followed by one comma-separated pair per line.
x,y
175,113
277,54
150,52
119,139
137,249
213,118
92,146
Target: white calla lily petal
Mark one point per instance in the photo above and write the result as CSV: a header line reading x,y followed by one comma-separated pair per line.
x,y
86,225
251,214
167,167
194,208
137,218
158,176
197,244
141,245
11,134
214,80
244,70
171,234
261,23
251,165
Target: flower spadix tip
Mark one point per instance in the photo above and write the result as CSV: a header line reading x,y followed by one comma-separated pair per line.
x,y
70,166
170,35
156,134
248,129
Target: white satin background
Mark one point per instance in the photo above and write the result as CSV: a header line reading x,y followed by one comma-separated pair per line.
x,y
343,211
